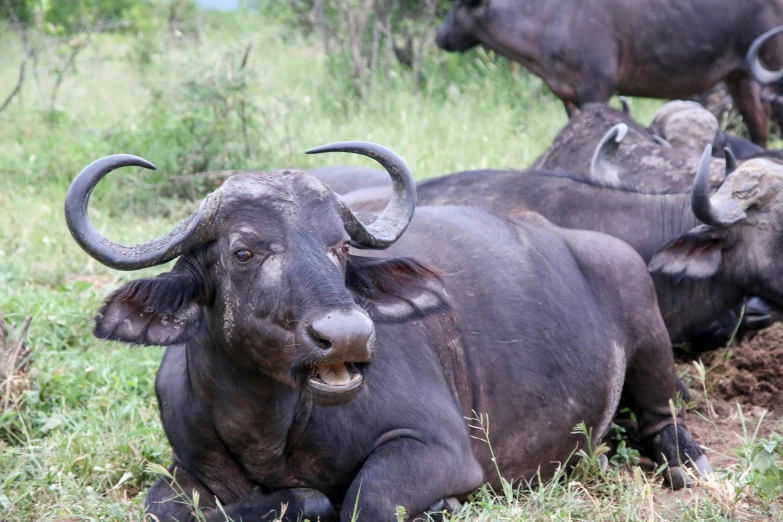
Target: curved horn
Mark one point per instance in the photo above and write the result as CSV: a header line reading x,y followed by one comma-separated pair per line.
x,y
760,73
184,237
662,142
601,167
624,104
390,225
726,212
700,197
731,161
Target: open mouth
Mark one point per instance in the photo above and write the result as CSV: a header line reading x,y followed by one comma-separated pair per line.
x,y
335,378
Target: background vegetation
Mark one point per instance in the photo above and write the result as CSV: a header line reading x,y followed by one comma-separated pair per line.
x,y
195,92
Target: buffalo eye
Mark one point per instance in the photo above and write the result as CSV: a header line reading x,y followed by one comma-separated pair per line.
x,y
243,256
345,248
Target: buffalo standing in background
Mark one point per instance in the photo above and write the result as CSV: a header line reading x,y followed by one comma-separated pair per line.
x,y
300,371
587,51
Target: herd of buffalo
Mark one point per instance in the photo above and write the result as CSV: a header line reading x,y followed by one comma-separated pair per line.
x,y
329,333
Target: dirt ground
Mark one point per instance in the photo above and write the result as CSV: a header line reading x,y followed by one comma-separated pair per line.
x,y
747,376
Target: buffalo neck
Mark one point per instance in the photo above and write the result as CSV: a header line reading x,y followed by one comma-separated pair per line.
x,y
646,221
687,305
668,216
528,18
690,306
262,408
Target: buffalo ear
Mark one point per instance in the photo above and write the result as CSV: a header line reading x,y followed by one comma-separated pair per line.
x,y
159,311
395,290
696,254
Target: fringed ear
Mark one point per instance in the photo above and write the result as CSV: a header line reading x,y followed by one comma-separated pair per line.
x,y
159,311
395,290
696,254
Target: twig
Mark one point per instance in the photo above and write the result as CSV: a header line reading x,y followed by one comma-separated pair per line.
x,y
76,46
12,362
19,81
29,52
248,48
243,104
356,18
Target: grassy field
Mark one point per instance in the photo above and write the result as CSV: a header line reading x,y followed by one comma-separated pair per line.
x,y
80,443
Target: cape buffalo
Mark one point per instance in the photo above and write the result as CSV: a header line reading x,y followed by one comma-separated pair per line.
x,y
689,126
585,52
694,303
638,161
305,372
686,125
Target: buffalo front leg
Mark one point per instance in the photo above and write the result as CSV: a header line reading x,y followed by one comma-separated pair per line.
x,y
173,502
410,474
746,94
651,392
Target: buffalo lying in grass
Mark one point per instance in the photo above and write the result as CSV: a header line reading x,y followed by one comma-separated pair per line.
x,y
689,127
639,160
305,372
700,306
585,52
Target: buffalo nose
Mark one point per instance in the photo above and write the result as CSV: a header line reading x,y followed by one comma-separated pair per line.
x,y
441,39
349,335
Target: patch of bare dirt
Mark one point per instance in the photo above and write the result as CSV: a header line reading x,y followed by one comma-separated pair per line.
x,y
751,373
744,385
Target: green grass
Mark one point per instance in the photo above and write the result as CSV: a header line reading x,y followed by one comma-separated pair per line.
x,y
80,444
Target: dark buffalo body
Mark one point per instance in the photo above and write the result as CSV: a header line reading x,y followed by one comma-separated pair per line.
x,y
300,371
691,302
586,51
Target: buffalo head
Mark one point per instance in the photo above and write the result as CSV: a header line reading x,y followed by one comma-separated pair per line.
x,y
261,276
458,31
741,240
685,125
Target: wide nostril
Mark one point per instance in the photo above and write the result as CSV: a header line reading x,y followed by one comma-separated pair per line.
x,y
321,339
347,332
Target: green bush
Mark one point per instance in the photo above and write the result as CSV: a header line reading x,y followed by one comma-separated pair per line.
x,y
69,17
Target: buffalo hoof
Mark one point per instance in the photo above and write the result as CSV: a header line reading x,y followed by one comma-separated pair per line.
x,y
314,505
677,478
452,505
434,513
603,463
673,446
437,506
703,466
